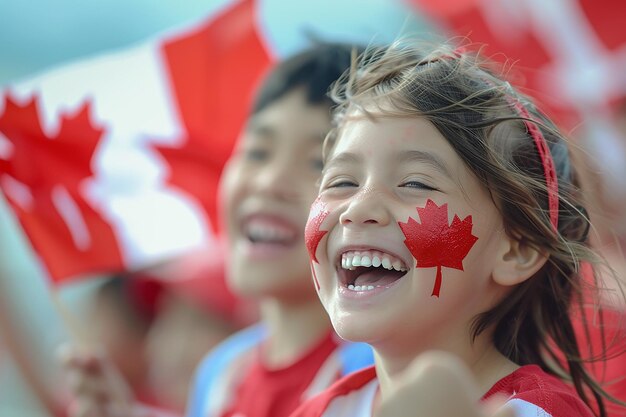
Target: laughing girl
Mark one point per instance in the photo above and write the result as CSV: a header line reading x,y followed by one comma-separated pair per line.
x,y
449,220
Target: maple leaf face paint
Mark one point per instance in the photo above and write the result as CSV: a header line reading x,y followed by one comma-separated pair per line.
x,y
434,243
313,233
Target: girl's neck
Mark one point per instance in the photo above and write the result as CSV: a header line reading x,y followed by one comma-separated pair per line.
x,y
484,361
292,329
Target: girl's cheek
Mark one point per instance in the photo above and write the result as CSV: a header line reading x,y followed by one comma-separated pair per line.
x,y
315,280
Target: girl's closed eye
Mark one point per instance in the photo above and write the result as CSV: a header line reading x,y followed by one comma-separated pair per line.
x,y
417,185
341,183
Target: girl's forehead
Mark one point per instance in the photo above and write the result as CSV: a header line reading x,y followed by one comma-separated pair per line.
x,y
388,132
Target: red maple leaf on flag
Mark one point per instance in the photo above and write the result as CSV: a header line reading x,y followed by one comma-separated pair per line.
x,y
192,170
538,51
435,243
68,234
40,161
213,97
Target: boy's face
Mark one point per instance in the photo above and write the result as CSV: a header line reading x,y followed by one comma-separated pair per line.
x,y
266,191
380,173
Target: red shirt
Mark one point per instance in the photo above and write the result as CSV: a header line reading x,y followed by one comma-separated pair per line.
x,y
278,392
532,392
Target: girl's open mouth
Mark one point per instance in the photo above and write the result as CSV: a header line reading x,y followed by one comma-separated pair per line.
x,y
367,270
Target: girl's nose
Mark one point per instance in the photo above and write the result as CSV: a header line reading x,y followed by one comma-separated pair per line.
x,y
366,208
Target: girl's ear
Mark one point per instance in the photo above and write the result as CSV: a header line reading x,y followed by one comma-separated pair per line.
x,y
516,262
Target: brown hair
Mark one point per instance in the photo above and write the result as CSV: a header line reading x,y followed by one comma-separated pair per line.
x,y
475,110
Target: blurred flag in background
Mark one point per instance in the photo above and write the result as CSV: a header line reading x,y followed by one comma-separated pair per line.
x,y
112,163
570,54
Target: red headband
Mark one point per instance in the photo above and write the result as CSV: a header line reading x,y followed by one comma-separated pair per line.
x,y
549,170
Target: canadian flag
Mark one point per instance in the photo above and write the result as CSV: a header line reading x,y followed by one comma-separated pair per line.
x,y
112,162
570,54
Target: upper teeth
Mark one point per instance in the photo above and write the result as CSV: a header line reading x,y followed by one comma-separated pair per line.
x,y
350,260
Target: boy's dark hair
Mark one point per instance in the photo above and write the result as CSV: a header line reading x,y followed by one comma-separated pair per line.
x,y
313,70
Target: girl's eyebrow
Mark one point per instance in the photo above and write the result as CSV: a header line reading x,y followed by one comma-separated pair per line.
x,y
343,158
402,157
407,157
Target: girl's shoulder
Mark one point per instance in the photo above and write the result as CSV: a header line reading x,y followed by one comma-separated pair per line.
x,y
344,397
534,392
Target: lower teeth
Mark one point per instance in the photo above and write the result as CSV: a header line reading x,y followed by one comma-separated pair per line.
x,y
361,287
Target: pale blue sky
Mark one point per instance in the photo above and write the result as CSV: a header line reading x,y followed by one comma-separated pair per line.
x,y
37,34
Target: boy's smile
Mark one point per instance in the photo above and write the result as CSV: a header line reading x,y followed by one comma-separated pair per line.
x,y
266,189
268,234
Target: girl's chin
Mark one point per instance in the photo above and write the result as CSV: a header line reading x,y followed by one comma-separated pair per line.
x,y
356,331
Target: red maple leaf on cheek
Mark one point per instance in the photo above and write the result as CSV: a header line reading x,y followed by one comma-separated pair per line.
x,y
435,243
312,233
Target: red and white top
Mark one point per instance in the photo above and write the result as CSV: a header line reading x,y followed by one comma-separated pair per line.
x,y
232,381
277,392
531,391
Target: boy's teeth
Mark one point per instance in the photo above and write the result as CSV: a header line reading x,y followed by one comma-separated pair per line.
x,y
353,259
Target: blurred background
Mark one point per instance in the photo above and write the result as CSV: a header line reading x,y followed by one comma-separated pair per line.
x,y
151,95
38,35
